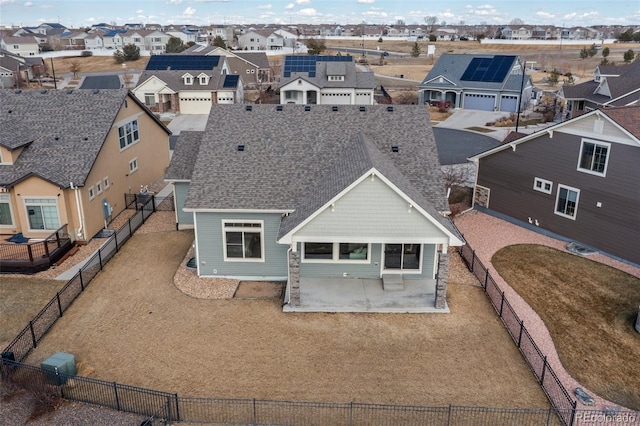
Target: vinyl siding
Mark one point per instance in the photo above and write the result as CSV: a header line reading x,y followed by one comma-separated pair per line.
x,y
372,210
184,219
210,248
612,228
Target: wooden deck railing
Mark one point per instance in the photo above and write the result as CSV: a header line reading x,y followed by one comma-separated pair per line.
x,y
34,256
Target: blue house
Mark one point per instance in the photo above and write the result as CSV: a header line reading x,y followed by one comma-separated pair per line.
x,y
345,203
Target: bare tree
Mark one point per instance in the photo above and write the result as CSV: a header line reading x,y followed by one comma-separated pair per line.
x,y
74,67
431,22
516,21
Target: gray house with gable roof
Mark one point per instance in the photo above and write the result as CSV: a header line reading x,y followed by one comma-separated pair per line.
x,y
482,82
351,204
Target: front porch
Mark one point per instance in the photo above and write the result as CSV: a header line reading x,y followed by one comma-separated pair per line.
x,y
365,295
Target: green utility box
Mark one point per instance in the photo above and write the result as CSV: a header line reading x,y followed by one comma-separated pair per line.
x,y
60,363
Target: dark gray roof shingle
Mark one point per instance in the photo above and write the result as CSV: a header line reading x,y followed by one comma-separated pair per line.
x,y
296,160
184,156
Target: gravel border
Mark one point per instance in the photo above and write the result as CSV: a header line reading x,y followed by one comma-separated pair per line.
x,y
488,234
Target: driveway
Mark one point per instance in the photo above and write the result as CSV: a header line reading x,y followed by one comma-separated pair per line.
x,y
101,82
196,122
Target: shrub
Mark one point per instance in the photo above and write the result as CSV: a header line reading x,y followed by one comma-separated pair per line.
x,y
86,53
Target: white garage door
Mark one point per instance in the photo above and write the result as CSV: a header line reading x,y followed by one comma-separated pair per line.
x,y
196,103
477,101
509,103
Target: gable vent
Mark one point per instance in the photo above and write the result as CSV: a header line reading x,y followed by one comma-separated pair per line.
x,y
240,148
248,108
278,107
307,107
363,108
390,108
394,148
334,108
10,111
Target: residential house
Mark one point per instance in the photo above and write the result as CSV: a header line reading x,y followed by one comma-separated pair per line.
x,y
113,39
156,42
187,84
325,80
223,31
46,27
330,199
612,86
138,26
21,46
94,41
252,66
578,179
541,33
17,70
289,39
260,40
483,82
68,156
185,35
73,41
136,37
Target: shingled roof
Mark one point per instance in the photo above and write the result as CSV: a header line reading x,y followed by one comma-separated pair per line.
x,y
296,157
347,69
615,90
62,132
627,117
184,156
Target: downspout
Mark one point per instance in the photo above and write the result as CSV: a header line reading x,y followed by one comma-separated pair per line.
x,y
80,233
287,290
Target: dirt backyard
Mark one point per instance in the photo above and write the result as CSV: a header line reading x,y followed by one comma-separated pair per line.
x,y
132,325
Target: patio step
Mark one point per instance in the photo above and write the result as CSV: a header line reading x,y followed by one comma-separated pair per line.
x,y
392,282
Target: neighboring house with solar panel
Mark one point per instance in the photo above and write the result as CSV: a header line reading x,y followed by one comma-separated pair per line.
x,y
340,201
612,85
70,169
260,40
325,80
187,84
578,179
482,82
252,66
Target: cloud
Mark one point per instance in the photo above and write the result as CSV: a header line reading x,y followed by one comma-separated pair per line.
x,y
7,1
175,1
28,4
289,6
545,15
303,1
366,1
139,11
308,11
375,14
265,6
575,15
189,11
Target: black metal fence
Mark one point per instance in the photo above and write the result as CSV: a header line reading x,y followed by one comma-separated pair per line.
x,y
168,407
29,337
149,201
554,389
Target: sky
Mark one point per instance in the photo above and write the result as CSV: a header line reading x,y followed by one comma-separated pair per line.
x,y
80,13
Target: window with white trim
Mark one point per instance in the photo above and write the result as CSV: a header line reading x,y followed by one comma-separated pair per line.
x,y
133,165
543,185
335,252
567,201
128,134
6,216
99,187
204,80
150,99
336,78
92,192
188,80
106,182
42,213
403,257
243,240
594,157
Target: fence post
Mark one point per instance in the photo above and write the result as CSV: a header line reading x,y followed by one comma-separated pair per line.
x,y
520,335
449,416
100,258
351,413
81,283
549,416
573,412
129,222
544,369
30,252
169,415
501,304
473,259
59,305
153,202
115,392
33,334
177,419
115,238
255,418
486,279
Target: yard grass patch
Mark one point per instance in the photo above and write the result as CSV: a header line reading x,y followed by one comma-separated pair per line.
x,y
20,300
133,326
480,129
590,311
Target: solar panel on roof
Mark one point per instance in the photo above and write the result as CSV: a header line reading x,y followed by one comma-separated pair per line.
x,y
182,62
230,81
488,70
308,63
